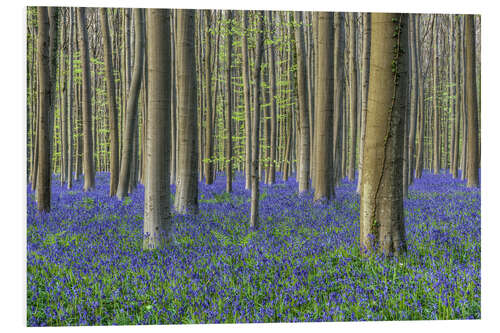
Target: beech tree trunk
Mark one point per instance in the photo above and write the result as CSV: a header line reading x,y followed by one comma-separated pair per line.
x,y
365,71
209,138
302,101
157,221
186,195
381,212
323,166
111,99
88,148
229,105
131,112
471,98
254,200
43,132
353,95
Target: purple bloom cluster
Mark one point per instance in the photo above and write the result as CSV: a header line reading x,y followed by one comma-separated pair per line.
x,y
85,263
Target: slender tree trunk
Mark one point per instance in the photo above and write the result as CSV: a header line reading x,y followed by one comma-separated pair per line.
x,y
381,211
88,150
173,114
471,98
458,104
43,132
304,153
365,72
272,78
111,103
338,79
353,94
323,166
246,99
209,139
254,201
436,113
69,173
131,115
229,95
413,101
186,195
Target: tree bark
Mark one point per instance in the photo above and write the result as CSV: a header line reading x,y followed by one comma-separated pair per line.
x,y
254,200
471,98
131,115
43,132
304,153
186,195
157,221
88,149
111,99
381,212
365,71
353,95
323,166
229,95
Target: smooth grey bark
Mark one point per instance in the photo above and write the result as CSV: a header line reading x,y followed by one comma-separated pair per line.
x,y
272,79
323,165
381,212
131,112
338,79
458,104
186,195
365,72
436,113
471,99
157,221
246,99
69,173
88,148
209,138
228,155
254,200
305,146
353,95
43,131
111,102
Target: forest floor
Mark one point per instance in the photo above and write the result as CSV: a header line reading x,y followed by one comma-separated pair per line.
x,y
85,265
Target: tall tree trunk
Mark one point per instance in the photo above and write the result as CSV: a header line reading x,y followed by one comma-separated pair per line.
x,y
229,95
458,104
365,70
157,221
112,110
43,132
304,153
413,101
353,95
173,114
131,115
209,138
186,195
246,99
471,98
323,166
272,79
69,173
419,163
88,150
436,113
381,212
338,79
254,200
